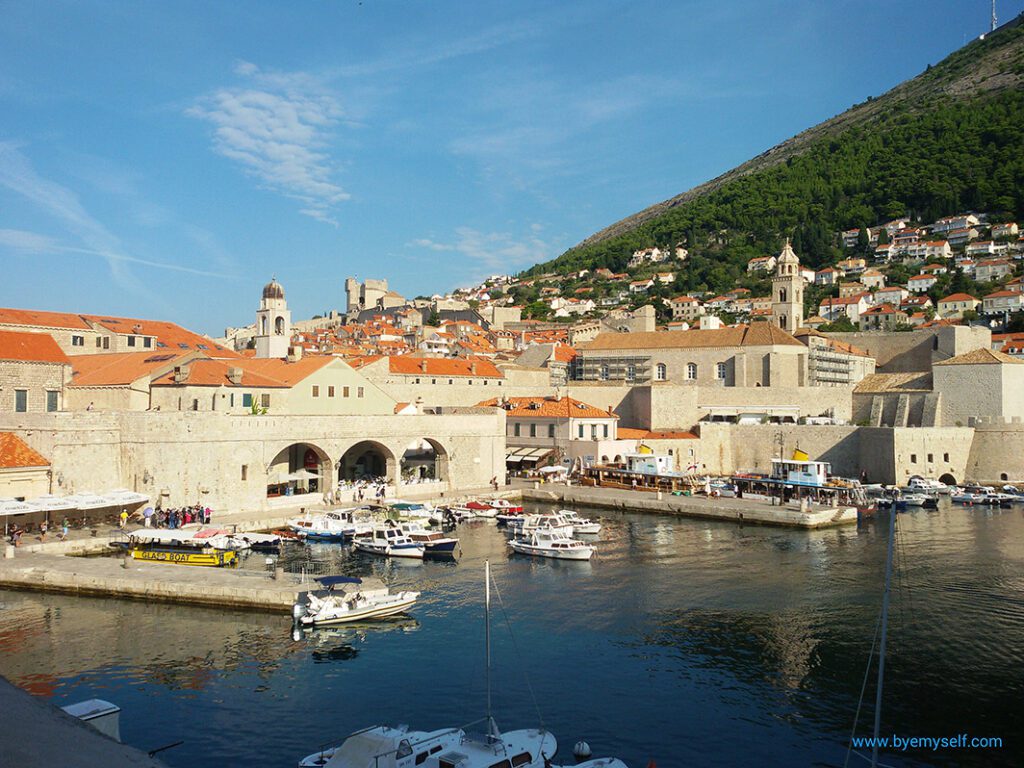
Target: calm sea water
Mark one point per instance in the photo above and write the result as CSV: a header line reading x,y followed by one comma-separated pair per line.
x,y
692,643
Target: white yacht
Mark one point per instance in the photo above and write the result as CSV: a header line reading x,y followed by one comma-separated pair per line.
x,y
388,541
434,542
580,525
549,523
927,484
332,525
344,599
546,544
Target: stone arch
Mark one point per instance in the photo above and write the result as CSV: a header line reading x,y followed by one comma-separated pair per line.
x,y
423,459
1004,477
782,294
604,459
279,326
948,479
297,469
367,460
263,326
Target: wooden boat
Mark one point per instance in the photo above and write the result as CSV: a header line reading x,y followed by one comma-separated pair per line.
x,y
216,558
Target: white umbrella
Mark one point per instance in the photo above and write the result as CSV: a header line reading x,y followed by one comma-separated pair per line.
x,y
552,470
303,474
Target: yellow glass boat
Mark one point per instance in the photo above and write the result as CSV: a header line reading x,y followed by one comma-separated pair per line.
x,y
210,557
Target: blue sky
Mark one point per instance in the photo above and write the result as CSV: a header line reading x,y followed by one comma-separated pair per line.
x,y
165,159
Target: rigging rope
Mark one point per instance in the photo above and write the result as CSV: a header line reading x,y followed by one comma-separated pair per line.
x,y
863,688
519,654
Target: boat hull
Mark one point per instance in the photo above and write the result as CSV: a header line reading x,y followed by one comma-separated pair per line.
x,y
213,559
577,553
388,551
361,614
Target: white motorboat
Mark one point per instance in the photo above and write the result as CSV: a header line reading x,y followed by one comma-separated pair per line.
x,y
926,484
548,523
261,542
388,541
546,544
580,525
332,525
344,599
434,542
99,714
913,499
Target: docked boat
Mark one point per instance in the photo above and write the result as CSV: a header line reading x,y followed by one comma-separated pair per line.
x,y
507,507
208,547
414,509
580,525
332,525
927,485
261,542
546,523
388,541
481,509
345,599
434,542
99,714
545,544
203,556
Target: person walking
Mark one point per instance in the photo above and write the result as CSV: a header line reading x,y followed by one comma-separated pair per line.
x,y
65,525
122,519
42,530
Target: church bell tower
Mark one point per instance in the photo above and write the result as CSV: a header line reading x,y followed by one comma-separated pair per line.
x,y
788,291
273,322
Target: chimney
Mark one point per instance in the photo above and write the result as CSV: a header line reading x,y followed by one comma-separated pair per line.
x,y
235,375
294,353
180,374
472,367
423,365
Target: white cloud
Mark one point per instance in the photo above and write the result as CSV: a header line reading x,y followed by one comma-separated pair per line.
x,y
278,128
490,252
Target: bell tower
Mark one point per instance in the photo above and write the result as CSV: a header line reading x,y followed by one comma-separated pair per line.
x,y
788,291
273,322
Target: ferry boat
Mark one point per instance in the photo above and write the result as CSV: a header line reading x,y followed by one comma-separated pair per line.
x,y
206,556
344,599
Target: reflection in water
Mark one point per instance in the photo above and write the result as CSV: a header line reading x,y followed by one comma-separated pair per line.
x,y
684,641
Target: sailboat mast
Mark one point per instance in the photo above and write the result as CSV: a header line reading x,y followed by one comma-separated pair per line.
x,y
487,640
885,632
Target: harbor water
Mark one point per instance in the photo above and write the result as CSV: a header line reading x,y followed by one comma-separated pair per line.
x,y
688,642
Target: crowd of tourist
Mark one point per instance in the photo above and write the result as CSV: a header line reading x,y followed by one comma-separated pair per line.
x,y
174,518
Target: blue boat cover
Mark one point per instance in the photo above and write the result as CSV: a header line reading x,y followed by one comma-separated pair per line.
x,y
330,581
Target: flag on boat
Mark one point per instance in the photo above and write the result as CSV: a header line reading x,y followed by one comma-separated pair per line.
x,y
799,455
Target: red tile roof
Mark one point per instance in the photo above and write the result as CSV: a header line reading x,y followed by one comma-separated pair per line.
x,y
120,369
15,454
30,347
547,408
626,433
444,366
958,297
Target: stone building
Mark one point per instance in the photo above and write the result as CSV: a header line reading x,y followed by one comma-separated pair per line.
x,y
788,291
755,355
273,322
24,473
33,373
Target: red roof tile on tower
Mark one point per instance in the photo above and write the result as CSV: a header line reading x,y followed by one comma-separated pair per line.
x,y
15,454
30,347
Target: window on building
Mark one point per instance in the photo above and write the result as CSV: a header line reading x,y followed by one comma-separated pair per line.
x,y
195,404
316,391
131,341
344,391
417,381
450,381
551,430
581,431
78,341
247,400
533,430
660,372
359,392
945,457
593,431
21,400
330,391
265,401
52,400
913,458
691,370
930,458
245,472
720,370
106,342
99,342
517,427
231,400
630,372
605,373
147,342
606,431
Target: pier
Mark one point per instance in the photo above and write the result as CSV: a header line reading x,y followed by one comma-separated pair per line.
x,y
720,508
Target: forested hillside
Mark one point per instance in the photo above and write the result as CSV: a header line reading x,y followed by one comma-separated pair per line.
x,y
947,141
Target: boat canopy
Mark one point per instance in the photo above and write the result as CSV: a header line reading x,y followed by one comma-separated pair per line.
x,y
330,581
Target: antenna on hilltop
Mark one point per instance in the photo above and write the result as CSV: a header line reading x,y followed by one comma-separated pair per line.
x,y
993,16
